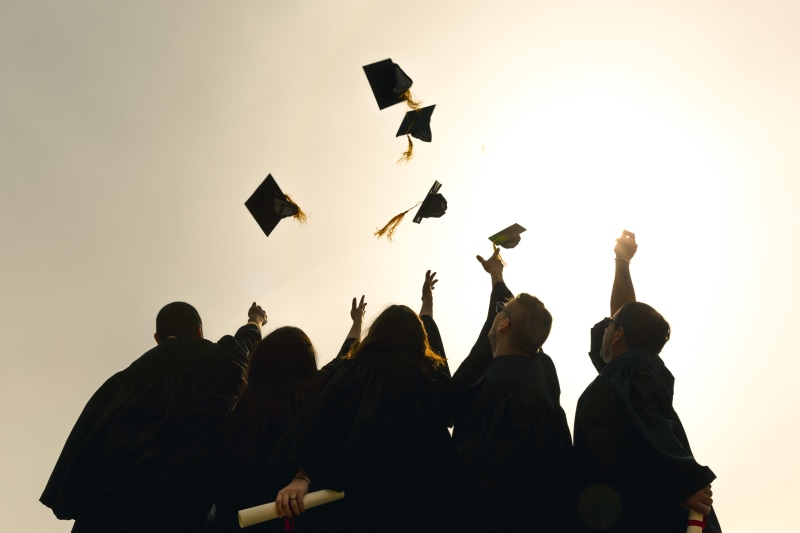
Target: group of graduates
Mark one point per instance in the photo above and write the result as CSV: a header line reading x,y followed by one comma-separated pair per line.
x,y
194,431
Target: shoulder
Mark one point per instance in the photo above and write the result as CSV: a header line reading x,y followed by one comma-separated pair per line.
x,y
638,372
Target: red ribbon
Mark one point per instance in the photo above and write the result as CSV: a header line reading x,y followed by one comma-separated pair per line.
x,y
700,523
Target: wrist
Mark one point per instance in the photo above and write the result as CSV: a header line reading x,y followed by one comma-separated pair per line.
x,y
623,260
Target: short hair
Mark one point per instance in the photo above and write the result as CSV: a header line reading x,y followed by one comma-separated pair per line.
x,y
535,322
177,319
644,327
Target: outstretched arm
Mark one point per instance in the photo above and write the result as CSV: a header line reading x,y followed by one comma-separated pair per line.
x,y
622,290
479,356
427,293
256,316
357,314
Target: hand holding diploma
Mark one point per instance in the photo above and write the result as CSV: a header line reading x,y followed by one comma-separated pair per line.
x,y
269,511
699,505
290,499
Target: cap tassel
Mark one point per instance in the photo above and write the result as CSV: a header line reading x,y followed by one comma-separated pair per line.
x,y
300,215
409,153
392,225
409,98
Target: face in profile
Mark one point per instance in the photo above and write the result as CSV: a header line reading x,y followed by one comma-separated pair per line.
x,y
502,317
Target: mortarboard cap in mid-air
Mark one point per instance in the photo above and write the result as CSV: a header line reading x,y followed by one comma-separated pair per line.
x,y
509,237
268,205
417,124
389,84
432,206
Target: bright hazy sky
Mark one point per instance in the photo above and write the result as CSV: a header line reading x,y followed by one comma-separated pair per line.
x,y
131,133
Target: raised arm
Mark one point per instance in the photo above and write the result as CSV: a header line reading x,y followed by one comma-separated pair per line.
x,y
479,356
357,311
622,290
357,314
427,294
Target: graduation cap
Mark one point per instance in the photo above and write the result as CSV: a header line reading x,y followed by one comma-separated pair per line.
x,y
269,205
389,84
433,206
509,237
417,124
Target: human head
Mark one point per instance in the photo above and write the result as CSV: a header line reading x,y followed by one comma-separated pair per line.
x,y
178,319
522,328
398,328
634,325
282,359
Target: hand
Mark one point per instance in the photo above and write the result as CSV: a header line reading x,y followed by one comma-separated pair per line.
x,y
289,501
357,311
494,265
700,501
257,315
626,246
429,285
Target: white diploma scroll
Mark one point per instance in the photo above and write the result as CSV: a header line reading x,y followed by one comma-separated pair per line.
x,y
695,522
267,511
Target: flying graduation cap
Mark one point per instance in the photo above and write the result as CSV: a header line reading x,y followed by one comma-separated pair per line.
x,y
509,237
433,206
417,124
389,84
269,205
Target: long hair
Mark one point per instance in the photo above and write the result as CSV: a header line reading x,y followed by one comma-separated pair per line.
x,y
399,329
277,373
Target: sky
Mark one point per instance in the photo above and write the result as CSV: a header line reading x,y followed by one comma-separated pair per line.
x,y
131,134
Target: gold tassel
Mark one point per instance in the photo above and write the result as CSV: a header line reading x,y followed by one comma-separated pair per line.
x,y
392,225
300,215
409,98
409,153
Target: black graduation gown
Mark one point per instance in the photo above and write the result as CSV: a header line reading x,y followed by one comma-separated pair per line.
x,y
138,458
377,429
512,440
634,463
248,475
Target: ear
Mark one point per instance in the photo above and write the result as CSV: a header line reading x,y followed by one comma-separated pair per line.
x,y
155,336
200,331
618,335
504,325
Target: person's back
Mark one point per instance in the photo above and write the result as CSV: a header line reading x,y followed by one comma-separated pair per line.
x,y
635,470
511,434
377,428
139,457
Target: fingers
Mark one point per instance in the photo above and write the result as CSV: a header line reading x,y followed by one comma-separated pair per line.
x,y
289,504
430,279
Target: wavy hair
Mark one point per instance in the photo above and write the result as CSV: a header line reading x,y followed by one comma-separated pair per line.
x,y
398,328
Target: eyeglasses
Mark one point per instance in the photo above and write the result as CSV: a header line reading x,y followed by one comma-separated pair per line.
x,y
501,306
608,320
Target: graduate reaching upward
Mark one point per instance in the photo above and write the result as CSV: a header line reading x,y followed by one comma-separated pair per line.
x,y
377,428
139,458
511,434
635,469
281,374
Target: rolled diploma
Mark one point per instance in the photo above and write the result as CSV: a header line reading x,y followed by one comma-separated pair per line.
x,y
268,511
694,518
